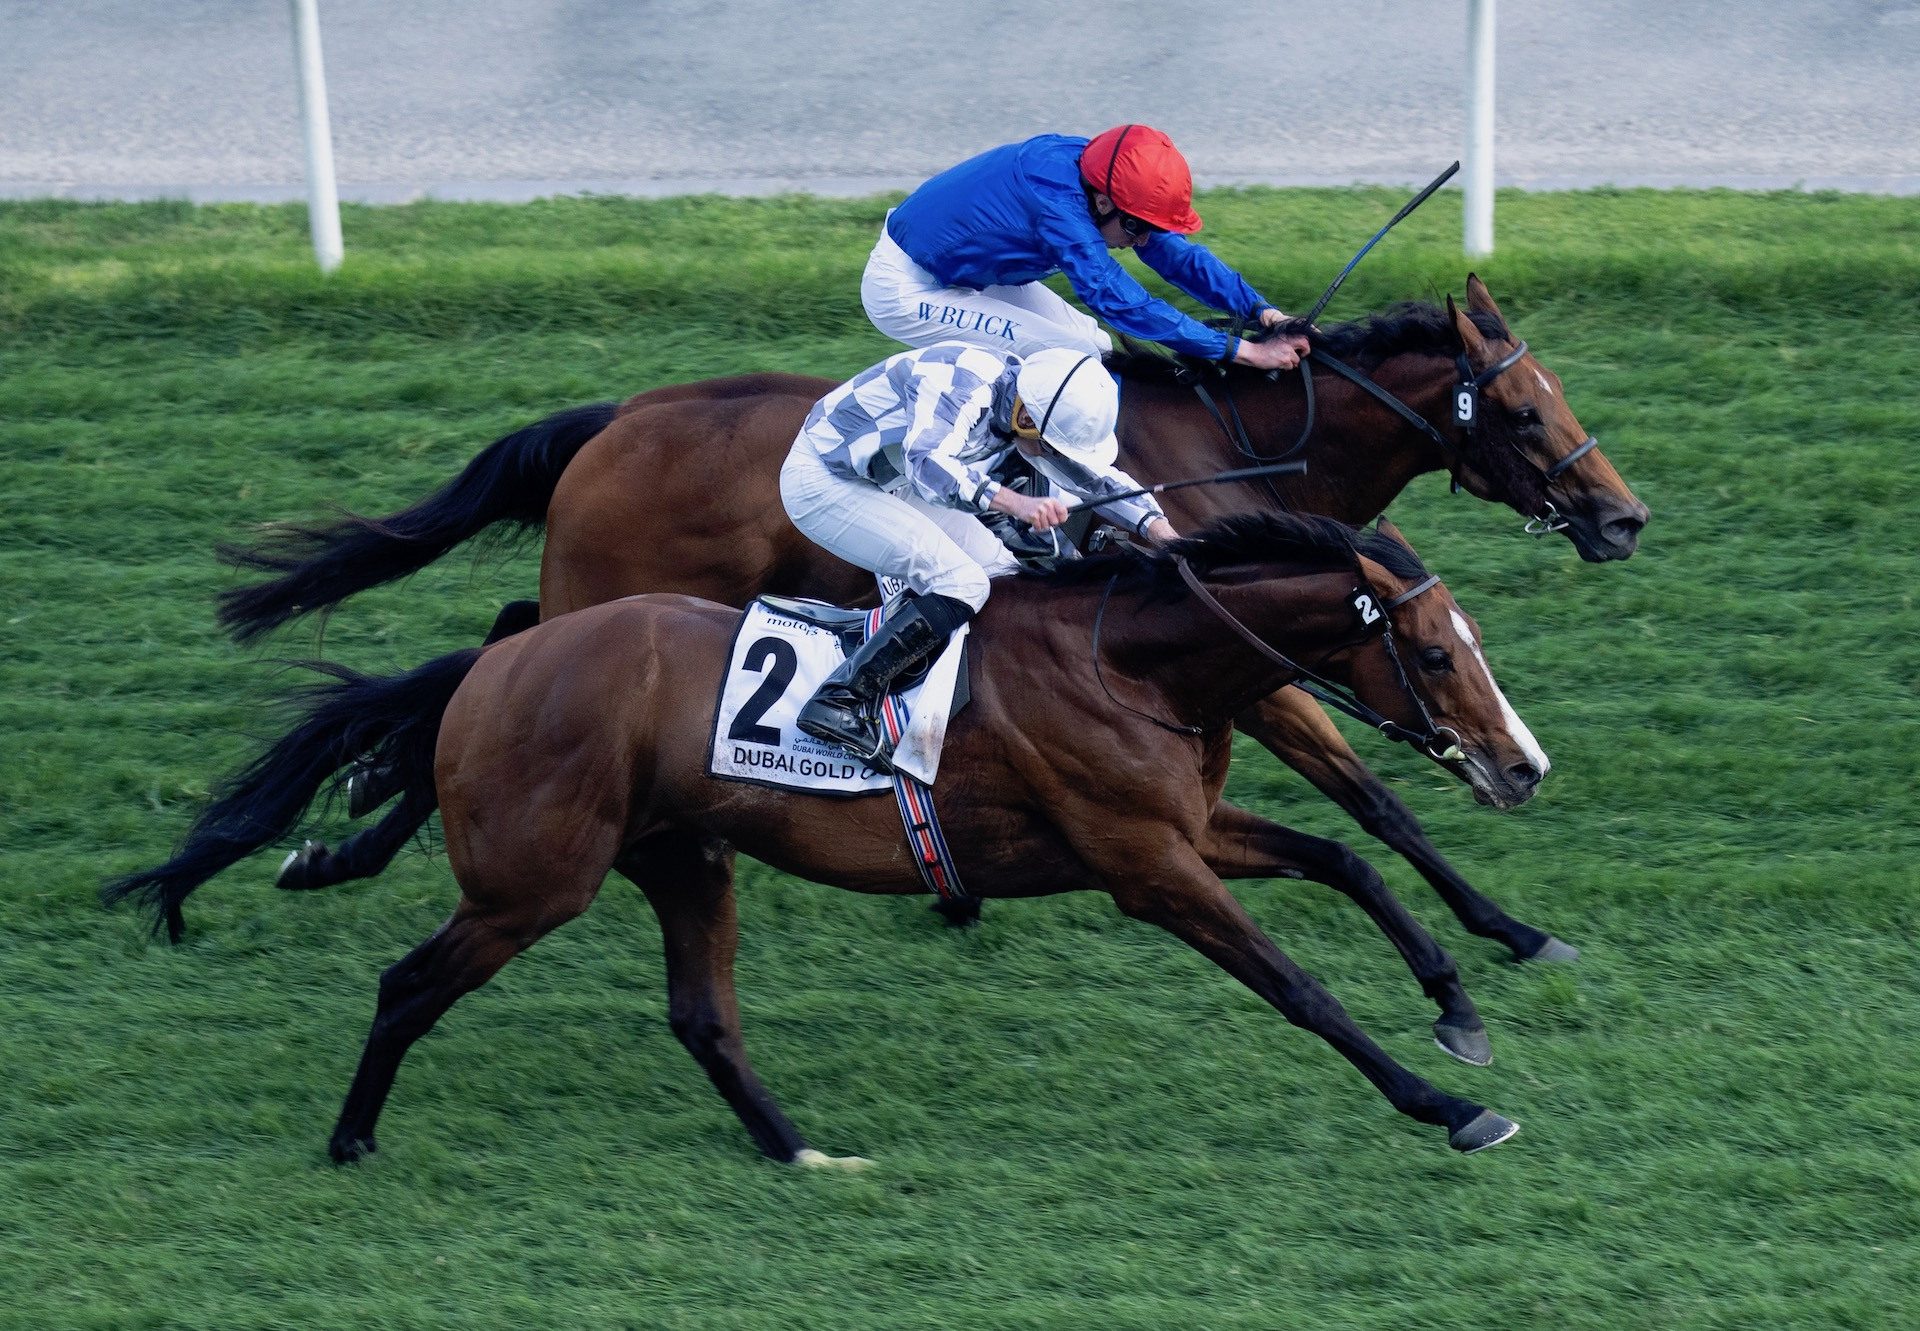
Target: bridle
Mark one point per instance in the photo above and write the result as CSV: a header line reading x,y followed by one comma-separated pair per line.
x,y
1467,391
1436,741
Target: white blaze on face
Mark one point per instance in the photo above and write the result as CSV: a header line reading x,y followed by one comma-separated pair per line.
x,y
1543,382
1515,726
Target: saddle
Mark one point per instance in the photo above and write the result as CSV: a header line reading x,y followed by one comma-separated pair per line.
x,y
850,627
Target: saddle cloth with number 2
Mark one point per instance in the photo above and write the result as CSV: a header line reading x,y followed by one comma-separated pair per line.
x,y
778,660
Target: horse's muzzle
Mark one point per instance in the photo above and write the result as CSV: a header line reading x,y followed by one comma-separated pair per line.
x,y
1500,787
1606,530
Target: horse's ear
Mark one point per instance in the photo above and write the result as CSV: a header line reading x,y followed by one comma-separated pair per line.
x,y
1470,339
1480,300
1391,532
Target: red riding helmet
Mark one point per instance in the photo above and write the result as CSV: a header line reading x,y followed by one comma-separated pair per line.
x,y
1144,174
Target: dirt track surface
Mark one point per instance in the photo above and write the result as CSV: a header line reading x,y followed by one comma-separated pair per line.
x,y
508,99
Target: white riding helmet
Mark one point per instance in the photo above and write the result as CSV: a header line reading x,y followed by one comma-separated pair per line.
x,y
1072,399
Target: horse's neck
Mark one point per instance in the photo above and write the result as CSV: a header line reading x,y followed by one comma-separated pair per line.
x,y
1359,458
1198,663
1367,444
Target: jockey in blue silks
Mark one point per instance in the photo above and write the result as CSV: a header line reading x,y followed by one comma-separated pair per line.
x,y
964,257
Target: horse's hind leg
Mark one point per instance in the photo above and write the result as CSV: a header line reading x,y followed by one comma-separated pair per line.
x,y
1239,844
1294,729
415,992
371,786
689,883
362,855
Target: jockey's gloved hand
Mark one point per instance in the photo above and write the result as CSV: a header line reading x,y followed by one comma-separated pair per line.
x,y
1281,352
1025,543
1040,514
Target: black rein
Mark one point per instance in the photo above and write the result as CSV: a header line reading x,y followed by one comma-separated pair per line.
x,y
1429,741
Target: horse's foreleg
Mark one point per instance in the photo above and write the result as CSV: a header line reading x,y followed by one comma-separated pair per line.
x,y
1239,844
1176,891
1294,729
689,883
960,912
416,992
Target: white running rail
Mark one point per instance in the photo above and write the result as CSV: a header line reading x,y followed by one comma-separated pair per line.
x,y
323,197
1479,155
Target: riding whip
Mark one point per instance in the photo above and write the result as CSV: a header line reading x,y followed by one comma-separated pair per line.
x,y
1413,203
1222,478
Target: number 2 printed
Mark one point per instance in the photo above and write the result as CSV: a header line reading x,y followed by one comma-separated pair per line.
x,y
775,656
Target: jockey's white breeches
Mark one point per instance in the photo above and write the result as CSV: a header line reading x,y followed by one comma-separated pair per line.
x,y
930,548
908,304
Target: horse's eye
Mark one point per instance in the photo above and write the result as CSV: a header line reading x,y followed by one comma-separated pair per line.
x,y
1526,416
1435,661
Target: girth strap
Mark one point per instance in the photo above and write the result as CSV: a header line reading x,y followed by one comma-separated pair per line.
x,y
931,855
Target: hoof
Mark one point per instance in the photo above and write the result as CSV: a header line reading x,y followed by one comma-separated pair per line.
x,y
1486,1129
959,914
1469,1044
297,870
348,1150
808,1158
367,789
1553,950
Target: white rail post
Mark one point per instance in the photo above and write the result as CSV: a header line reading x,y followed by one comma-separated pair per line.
x,y
1479,175
323,199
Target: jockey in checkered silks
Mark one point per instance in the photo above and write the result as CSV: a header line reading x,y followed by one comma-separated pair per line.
x,y
891,472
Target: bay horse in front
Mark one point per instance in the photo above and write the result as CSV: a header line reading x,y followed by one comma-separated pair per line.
x,y
580,746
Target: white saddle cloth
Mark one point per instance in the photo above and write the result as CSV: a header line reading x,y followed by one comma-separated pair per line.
x,y
776,664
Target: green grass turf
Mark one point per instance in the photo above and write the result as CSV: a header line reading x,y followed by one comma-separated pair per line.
x,y
1078,1122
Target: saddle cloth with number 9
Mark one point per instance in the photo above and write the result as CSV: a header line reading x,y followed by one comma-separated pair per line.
x,y
780,655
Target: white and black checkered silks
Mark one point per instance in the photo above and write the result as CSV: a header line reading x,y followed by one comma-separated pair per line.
x,y
890,471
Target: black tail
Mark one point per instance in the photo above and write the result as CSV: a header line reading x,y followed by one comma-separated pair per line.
x,y
324,563
397,720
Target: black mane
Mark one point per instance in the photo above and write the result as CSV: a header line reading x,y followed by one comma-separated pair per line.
x,y
1249,538
1411,327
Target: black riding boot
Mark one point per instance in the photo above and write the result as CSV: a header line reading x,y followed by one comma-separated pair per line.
x,y
845,709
